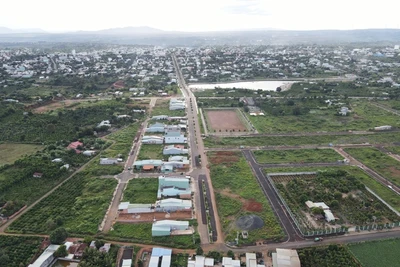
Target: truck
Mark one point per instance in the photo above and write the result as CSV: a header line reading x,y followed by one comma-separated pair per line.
x,y
317,239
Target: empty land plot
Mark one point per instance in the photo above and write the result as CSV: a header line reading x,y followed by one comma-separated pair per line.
x,y
239,194
141,191
162,108
377,253
223,120
151,152
12,152
297,156
378,161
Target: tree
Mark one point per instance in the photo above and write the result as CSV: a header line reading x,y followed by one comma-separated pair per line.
x,y
230,254
278,89
318,210
58,236
61,251
199,251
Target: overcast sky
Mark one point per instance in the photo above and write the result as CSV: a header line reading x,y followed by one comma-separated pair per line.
x,y
199,15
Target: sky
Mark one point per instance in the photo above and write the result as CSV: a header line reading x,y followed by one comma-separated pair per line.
x,y
199,15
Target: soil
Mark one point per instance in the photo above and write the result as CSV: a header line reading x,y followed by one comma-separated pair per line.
x,y
394,171
224,120
224,157
252,205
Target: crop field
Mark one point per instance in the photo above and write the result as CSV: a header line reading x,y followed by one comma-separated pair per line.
x,y
314,120
12,152
18,250
375,138
162,108
346,196
297,156
378,161
238,193
141,233
141,191
151,152
224,120
326,256
78,205
377,253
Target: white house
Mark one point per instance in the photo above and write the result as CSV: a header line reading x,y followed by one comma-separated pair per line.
x,y
109,161
156,128
201,261
181,139
175,150
57,160
89,153
172,130
160,117
104,123
173,204
150,139
164,228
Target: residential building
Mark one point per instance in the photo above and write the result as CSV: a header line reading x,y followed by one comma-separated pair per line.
x,y
201,261
175,150
285,258
165,227
173,204
172,130
251,260
37,175
156,128
327,212
152,139
74,146
148,165
160,254
126,207
127,263
110,161
181,139
104,123
46,258
160,117
89,153
172,187
228,262
383,128
105,248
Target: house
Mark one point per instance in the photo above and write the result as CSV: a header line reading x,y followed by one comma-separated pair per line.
x,y
172,130
175,150
65,166
89,153
156,128
201,261
343,111
181,139
383,128
46,258
57,160
160,117
251,260
110,161
160,254
104,123
164,228
172,187
126,207
173,204
75,146
92,244
152,139
228,262
285,258
37,175
124,116
176,104
105,248
80,249
327,212
148,165
139,111
126,263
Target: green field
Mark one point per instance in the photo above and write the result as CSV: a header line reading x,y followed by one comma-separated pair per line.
x,y
385,138
150,152
328,256
12,152
296,156
235,185
162,108
141,233
378,161
377,253
78,205
141,191
18,250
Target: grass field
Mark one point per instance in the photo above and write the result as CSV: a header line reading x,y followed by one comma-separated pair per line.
x,y
151,152
12,152
235,187
141,191
297,156
378,161
162,108
377,253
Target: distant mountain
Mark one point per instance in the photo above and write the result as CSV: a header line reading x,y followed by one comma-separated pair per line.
x,y
4,30
130,31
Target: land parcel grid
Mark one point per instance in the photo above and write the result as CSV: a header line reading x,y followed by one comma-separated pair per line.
x,y
240,200
225,120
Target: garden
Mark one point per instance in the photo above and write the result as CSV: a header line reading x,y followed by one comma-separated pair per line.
x,y
296,156
239,194
18,250
141,191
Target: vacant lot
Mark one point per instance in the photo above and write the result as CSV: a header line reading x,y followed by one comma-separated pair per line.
x,y
141,191
238,193
151,152
162,108
377,253
297,156
12,152
224,120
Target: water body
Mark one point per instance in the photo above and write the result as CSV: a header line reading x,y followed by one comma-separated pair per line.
x,y
61,263
256,85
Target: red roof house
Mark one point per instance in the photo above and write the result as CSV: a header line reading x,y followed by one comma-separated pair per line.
x,y
74,146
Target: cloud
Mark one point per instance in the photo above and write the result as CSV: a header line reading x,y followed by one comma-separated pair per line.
x,y
246,7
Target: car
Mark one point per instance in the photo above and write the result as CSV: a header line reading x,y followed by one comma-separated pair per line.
x,y
318,239
129,168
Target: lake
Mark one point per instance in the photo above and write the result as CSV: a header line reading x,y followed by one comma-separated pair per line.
x,y
263,85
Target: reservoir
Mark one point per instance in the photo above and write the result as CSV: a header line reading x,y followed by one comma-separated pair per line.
x,y
254,85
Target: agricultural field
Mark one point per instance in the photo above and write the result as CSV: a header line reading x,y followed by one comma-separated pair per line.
x,y
377,253
141,233
18,250
346,196
328,256
151,152
393,149
78,205
373,138
297,156
378,161
286,117
224,120
141,191
162,108
12,152
222,92
238,194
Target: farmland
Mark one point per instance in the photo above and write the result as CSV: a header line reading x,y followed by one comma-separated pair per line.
x,y
327,256
236,190
18,250
377,253
78,205
378,161
162,108
141,233
12,152
141,191
224,120
297,156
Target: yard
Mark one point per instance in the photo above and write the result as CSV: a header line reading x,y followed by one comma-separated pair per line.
x,y
296,156
162,108
141,191
222,120
11,152
238,193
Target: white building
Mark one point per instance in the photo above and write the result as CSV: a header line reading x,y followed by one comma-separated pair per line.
x,y
175,150
104,123
157,140
181,139
201,261
285,258
164,254
156,128
228,262
89,153
46,257
109,161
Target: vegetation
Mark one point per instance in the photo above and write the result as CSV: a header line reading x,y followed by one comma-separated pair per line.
x,y
377,253
328,256
11,152
78,205
297,156
162,108
179,260
141,191
93,257
151,152
61,251
18,250
379,161
58,236
235,185
141,233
